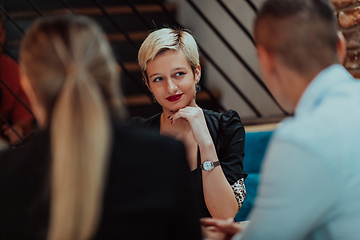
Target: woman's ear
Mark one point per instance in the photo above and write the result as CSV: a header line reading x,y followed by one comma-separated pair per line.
x,y
36,106
197,73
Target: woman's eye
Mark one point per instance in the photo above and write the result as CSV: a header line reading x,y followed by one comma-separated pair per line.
x,y
157,79
178,74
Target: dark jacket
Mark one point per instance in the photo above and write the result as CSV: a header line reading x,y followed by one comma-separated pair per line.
x,y
228,135
147,194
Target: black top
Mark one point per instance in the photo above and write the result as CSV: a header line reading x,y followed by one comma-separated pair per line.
x,y
228,135
147,195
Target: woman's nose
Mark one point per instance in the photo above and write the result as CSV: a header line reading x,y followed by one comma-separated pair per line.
x,y
171,86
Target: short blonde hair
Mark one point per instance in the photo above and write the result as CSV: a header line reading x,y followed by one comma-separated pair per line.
x,y
168,39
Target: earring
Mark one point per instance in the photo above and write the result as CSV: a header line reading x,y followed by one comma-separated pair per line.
x,y
197,87
153,98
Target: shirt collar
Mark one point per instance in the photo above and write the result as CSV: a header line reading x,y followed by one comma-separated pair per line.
x,y
320,85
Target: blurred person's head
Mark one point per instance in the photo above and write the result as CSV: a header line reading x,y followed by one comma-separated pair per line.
x,y
65,52
71,78
298,37
170,66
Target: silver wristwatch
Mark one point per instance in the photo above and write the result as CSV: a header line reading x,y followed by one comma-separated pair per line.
x,y
209,165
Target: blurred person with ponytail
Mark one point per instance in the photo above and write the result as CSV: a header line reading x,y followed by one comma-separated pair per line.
x,y
83,176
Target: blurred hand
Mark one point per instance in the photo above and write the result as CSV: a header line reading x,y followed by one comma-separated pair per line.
x,y
217,229
212,233
11,134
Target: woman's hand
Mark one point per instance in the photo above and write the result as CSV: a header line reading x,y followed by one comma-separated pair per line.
x,y
196,119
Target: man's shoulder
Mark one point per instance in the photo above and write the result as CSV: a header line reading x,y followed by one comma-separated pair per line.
x,y
322,132
336,115
304,126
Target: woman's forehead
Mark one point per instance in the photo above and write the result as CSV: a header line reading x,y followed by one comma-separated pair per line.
x,y
169,59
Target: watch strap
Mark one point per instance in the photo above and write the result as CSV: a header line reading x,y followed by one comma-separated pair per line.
x,y
214,163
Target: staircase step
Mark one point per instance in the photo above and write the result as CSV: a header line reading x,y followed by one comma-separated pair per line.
x,y
21,5
113,38
135,36
131,67
94,11
131,23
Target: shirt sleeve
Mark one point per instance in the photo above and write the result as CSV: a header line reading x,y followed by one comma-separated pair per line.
x,y
230,149
295,196
239,191
230,146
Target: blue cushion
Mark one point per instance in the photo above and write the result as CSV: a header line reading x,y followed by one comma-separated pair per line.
x,y
255,148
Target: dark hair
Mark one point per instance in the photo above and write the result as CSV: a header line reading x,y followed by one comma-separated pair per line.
x,y
302,33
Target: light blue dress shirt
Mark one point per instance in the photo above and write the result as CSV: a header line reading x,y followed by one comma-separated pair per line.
x,y
310,178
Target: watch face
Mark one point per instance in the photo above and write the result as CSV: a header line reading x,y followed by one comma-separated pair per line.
x,y
208,165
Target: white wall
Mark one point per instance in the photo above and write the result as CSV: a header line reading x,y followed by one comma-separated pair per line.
x,y
223,57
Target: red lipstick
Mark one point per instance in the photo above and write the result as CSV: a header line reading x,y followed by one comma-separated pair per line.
x,y
174,98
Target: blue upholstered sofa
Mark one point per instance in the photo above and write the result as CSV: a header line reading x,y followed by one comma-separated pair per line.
x,y
255,147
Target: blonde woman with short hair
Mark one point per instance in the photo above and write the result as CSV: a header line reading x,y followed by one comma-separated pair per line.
x,y
169,61
83,176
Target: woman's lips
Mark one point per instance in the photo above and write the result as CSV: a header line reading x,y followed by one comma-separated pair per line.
x,y
174,98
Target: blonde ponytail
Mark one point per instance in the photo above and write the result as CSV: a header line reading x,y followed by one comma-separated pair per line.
x,y
80,137
73,72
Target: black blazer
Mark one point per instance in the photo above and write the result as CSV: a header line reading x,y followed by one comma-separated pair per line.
x,y
147,195
228,135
